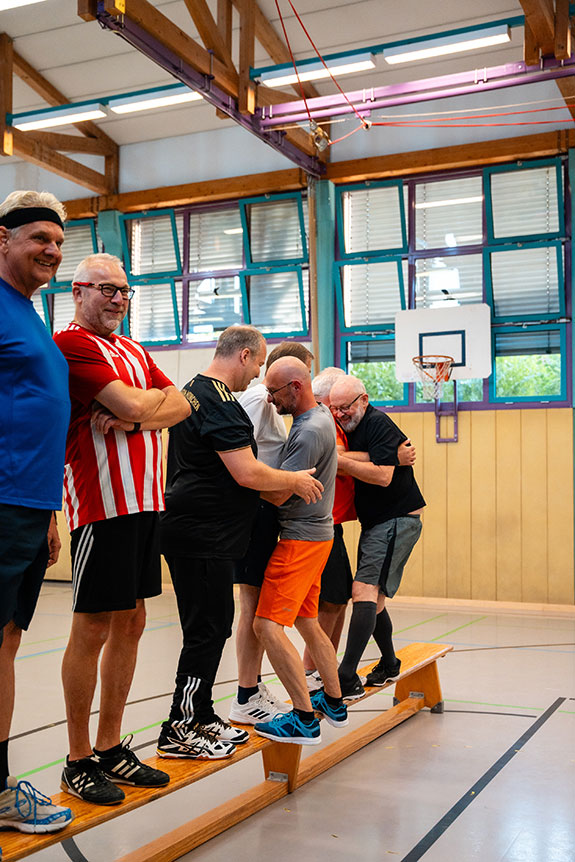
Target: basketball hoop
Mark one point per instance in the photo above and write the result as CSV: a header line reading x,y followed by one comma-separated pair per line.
x,y
434,372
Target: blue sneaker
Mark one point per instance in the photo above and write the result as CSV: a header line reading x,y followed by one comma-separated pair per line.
x,y
288,727
334,715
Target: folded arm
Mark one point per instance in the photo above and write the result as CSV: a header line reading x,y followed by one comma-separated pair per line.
x,y
169,410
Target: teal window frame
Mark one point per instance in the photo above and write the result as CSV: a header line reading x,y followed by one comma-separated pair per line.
x,y
338,287
386,252
153,276
273,262
526,399
77,223
390,336
126,324
500,169
488,279
272,270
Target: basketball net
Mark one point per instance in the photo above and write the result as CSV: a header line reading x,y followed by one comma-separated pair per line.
x,y
433,372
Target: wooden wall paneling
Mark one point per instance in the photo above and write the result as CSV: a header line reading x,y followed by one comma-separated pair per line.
x,y
412,425
459,511
560,506
434,488
483,506
508,501
351,531
534,444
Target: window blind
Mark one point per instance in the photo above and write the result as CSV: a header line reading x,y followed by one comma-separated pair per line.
x,y
524,202
78,244
372,219
152,245
371,293
448,214
152,316
215,240
275,230
64,310
213,304
274,301
453,280
525,281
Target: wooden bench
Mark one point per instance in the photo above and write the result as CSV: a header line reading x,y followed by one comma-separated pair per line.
x,y
417,686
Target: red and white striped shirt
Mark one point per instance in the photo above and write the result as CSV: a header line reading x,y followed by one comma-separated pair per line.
x,y
107,475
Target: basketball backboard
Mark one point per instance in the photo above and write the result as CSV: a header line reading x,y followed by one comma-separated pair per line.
x,y
463,332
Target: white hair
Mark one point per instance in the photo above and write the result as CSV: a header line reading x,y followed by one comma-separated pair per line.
x,y
322,382
22,199
94,261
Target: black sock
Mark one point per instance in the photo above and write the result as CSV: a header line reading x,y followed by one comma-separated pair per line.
x,y
306,717
333,701
259,678
3,763
109,752
244,693
382,633
361,628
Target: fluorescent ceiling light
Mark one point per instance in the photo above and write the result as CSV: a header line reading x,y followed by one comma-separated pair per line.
x,y
448,203
155,98
454,44
61,116
14,4
316,71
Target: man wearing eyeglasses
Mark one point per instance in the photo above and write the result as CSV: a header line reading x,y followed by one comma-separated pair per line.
x,y
388,504
112,496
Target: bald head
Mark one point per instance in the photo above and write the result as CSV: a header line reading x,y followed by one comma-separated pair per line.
x,y
348,401
288,382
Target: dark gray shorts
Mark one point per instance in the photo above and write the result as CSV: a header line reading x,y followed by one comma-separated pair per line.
x,y
384,550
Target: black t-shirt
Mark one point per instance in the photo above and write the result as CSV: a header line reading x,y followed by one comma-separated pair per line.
x,y
374,504
207,513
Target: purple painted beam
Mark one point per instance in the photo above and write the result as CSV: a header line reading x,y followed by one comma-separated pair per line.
x,y
155,50
428,89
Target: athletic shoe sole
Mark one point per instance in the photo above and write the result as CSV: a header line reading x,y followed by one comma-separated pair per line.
x,y
115,780
299,740
31,828
332,721
67,789
172,756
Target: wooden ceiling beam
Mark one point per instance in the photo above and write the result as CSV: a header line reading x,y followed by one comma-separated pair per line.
x,y
540,15
72,143
213,38
6,71
39,154
275,47
247,87
562,49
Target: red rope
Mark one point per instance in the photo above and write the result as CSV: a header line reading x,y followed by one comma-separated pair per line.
x,y
293,60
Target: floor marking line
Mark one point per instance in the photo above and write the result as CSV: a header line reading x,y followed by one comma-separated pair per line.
x,y
72,850
422,623
454,812
464,626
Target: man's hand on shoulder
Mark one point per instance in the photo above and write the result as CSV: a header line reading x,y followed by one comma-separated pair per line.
x,y
406,454
306,487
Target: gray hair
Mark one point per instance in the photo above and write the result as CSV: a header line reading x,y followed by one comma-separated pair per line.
x,y
236,338
95,260
322,382
21,199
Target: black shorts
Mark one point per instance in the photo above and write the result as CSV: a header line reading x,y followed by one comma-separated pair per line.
x,y
23,560
115,562
336,579
263,540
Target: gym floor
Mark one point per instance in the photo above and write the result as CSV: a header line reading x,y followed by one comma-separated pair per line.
x,y
491,779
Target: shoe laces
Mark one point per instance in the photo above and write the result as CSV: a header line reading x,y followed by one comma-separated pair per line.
x,y
28,799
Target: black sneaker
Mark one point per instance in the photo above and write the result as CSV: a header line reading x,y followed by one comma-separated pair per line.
x,y
125,768
379,675
351,690
84,779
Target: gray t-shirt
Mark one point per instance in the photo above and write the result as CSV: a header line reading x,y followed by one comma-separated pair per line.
x,y
311,443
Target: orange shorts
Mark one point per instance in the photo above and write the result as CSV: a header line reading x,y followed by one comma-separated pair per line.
x,y
292,581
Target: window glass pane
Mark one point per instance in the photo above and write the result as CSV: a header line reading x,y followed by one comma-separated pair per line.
x,y
152,245
275,302
371,294
152,315
374,363
443,281
39,306
213,304
275,230
216,240
525,281
448,213
467,390
527,364
525,202
64,310
78,244
372,219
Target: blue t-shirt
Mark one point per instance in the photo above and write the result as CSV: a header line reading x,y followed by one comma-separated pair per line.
x,y
34,406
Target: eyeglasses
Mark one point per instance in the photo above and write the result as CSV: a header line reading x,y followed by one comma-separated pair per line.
x,y
109,290
272,392
345,407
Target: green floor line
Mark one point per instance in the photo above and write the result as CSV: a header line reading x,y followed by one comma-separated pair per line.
x,y
415,625
464,626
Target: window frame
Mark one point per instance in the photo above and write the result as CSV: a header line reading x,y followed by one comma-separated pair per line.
x,y
526,399
147,282
347,339
55,282
244,203
151,276
386,252
338,267
259,271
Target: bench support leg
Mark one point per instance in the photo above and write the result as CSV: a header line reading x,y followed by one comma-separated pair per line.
x,y
425,681
282,759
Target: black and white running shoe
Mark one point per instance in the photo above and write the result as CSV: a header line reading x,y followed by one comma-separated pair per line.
x,y
124,767
224,732
182,742
84,778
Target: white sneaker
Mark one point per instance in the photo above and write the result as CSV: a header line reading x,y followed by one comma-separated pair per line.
x,y
314,681
179,742
259,708
224,732
24,808
275,702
